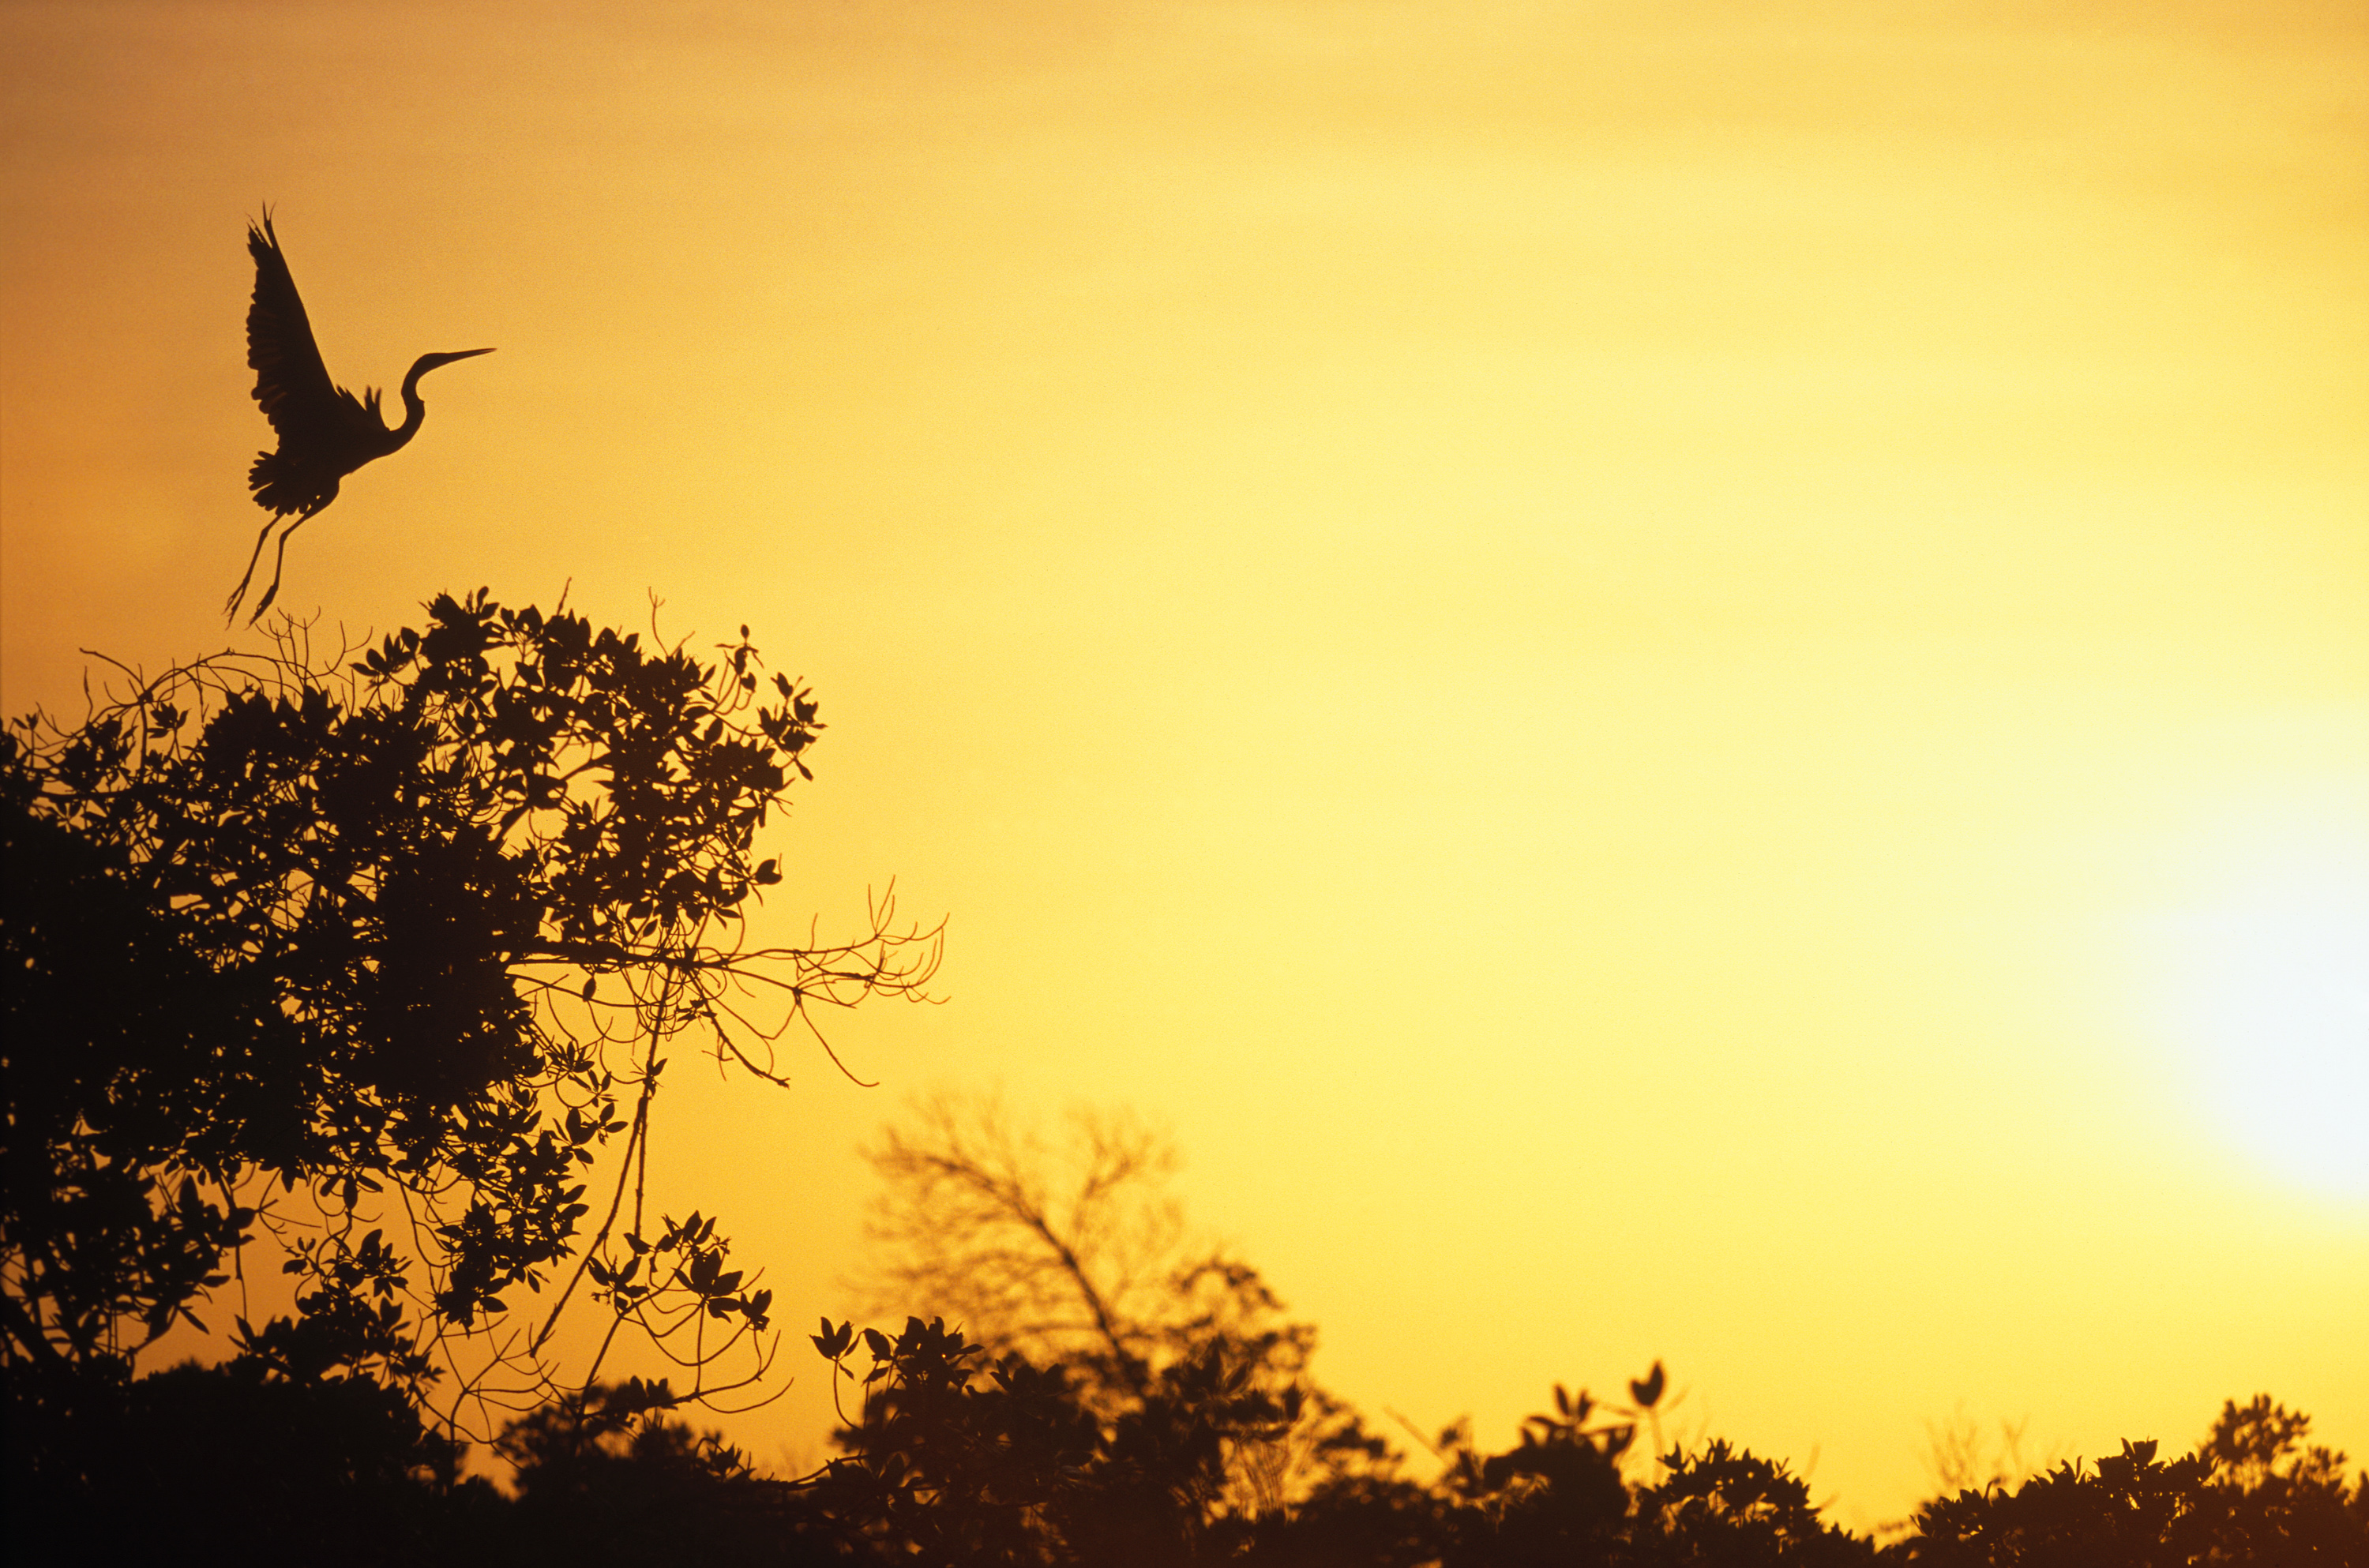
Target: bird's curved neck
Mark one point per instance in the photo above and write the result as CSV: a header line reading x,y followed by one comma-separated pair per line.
x,y
414,410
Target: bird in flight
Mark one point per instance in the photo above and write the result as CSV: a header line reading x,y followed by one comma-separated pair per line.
x,y
325,432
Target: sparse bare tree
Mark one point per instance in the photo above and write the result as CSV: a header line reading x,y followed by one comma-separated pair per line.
x,y
1959,1457
1064,1252
1073,1251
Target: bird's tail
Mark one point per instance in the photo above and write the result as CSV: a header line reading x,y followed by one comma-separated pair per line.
x,y
281,487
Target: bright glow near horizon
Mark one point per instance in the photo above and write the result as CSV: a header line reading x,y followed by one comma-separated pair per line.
x,y
2267,988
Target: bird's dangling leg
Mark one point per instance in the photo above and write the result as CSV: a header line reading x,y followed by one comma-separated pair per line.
x,y
277,560
230,609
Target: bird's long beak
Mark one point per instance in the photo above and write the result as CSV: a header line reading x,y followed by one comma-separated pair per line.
x,y
425,362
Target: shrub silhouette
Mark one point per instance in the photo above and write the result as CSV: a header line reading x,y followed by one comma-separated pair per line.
x,y
958,1458
1070,1254
2251,1492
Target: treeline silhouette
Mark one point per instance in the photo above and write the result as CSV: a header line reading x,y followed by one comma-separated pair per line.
x,y
958,1459
364,972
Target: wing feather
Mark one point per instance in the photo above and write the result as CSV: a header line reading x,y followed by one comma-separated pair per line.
x,y
290,382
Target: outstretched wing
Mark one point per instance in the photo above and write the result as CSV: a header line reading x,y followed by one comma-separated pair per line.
x,y
290,382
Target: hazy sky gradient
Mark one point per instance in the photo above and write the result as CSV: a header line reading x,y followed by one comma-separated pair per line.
x,y
1674,688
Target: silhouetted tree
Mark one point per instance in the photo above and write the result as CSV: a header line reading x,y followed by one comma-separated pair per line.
x,y
2251,1492
1959,1456
1727,1505
608,1475
1561,1495
1074,1255
954,1457
960,1458
376,958
1067,1251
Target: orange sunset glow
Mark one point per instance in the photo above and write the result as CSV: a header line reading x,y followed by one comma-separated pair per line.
x,y
1675,683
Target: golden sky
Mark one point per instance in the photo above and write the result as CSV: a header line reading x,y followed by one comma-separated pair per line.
x,y
1683,681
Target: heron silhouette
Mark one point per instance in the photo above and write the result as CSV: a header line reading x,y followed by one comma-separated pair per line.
x,y
325,432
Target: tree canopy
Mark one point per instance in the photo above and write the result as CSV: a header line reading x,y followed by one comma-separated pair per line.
x,y
381,956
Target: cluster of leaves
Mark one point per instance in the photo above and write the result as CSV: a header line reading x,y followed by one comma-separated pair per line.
x,y
677,1286
378,955
1074,1255
958,1458
963,1458
2253,1492
972,1462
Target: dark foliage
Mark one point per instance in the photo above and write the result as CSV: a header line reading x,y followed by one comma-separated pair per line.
x,y
1070,1254
611,1476
1727,1506
958,1458
235,1464
375,958
2251,1492
967,1460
